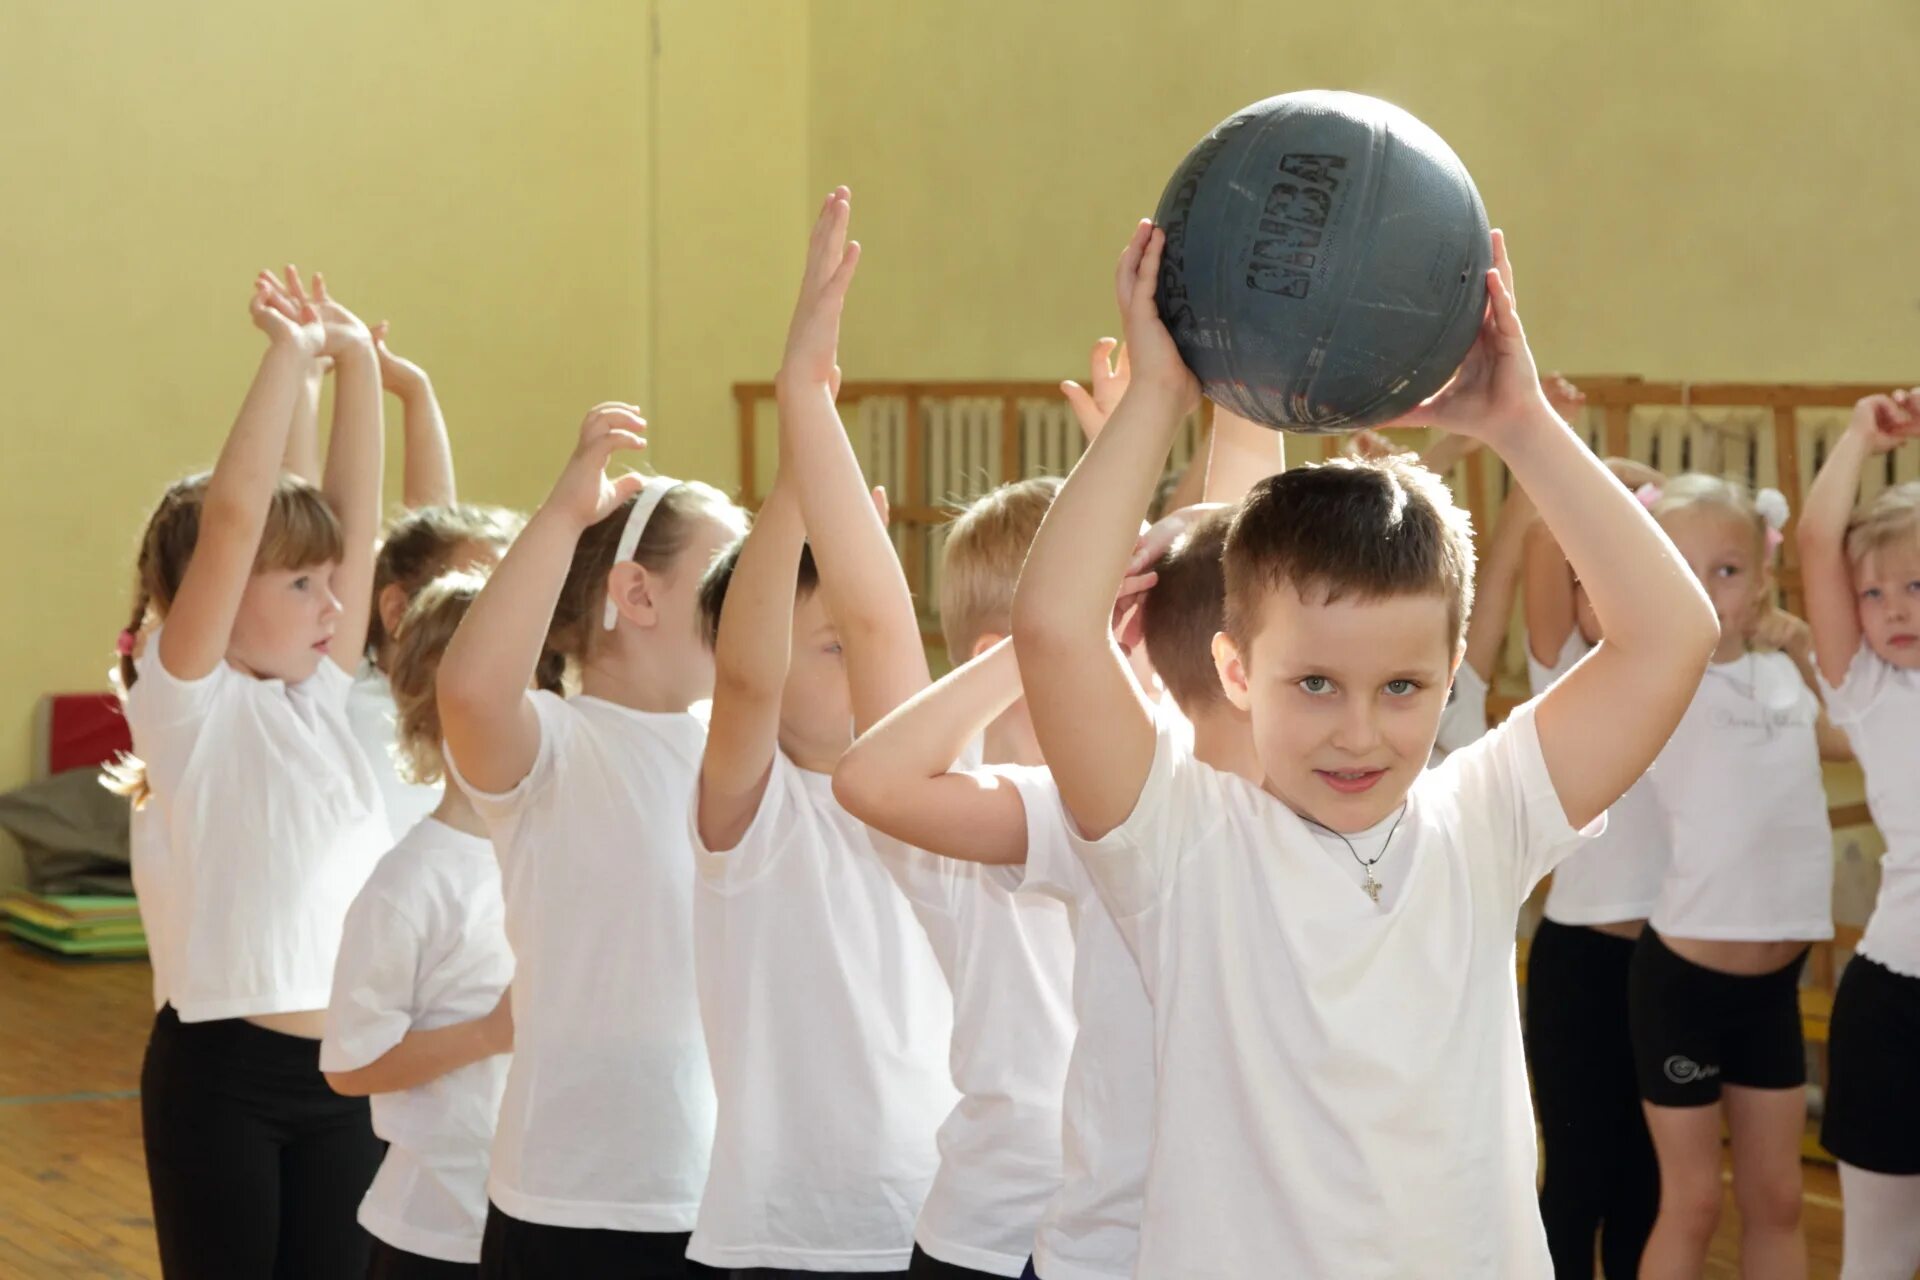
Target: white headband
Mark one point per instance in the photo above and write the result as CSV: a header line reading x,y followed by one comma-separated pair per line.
x,y
644,502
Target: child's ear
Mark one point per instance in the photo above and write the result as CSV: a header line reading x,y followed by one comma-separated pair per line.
x,y
632,590
985,642
393,607
1233,672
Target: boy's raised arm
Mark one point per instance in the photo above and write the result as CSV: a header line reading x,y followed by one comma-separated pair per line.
x,y
1093,725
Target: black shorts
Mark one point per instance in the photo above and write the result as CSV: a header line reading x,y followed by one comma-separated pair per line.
x,y
1872,1118
511,1249
1696,1029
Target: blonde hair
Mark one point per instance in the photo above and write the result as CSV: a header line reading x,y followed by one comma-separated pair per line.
x,y
1892,517
300,530
584,591
420,546
1695,489
986,547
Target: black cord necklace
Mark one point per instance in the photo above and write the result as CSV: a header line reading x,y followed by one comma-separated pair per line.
x,y
1372,886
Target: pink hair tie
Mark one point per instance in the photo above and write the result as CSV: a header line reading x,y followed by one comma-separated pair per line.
x,y
1648,494
1774,538
124,645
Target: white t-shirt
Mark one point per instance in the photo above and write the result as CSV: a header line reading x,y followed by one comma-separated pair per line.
x,y
370,711
1739,782
1341,1085
1091,1227
1879,707
827,1023
263,822
425,947
608,1115
1617,876
1540,676
1009,962
1465,718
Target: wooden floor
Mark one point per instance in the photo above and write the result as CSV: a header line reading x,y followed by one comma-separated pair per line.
x,y
73,1191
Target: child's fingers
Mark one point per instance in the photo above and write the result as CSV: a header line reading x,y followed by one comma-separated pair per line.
x,y
1101,362
1147,279
842,278
881,507
628,486
1084,410
1122,369
320,288
619,441
1502,262
1129,264
1505,316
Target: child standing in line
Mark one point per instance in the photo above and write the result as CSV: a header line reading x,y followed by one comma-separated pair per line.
x,y
1329,955
1861,574
1715,979
607,1122
419,1020
257,819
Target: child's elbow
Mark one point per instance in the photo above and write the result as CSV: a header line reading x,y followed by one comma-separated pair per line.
x,y
856,784
1038,628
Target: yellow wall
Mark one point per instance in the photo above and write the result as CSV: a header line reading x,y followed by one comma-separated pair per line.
x,y
1703,190
565,202
475,172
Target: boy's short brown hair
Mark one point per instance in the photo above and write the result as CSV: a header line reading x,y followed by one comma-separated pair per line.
x,y
986,547
1361,527
1184,611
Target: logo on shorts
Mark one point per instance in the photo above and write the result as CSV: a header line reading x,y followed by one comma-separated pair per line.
x,y
1682,1070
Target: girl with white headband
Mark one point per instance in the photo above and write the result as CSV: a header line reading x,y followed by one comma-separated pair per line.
x,y
607,1120
1713,985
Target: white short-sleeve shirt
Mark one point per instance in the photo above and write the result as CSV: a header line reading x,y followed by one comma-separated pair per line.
x,y
1751,853
827,1024
1008,959
1879,707
263,822
425,947
1341,1086
1091,1228
370,710
608,1115
1616,877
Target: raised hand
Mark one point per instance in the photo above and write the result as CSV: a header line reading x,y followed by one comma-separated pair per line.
x,y
1156,362
346,334
1884,423
1497,387
288,321
1109,374
813,336
401,376
584,491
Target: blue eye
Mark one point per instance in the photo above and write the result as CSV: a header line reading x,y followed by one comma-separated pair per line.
x,y
1871,593
1402,688
300,583
1316,685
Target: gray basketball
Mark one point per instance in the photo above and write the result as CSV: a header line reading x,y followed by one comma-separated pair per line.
x,y
1325,264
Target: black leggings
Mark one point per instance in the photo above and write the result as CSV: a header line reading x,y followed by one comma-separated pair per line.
x,y
512,1249
390,1263
257,1168
1602,1178
927,1267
